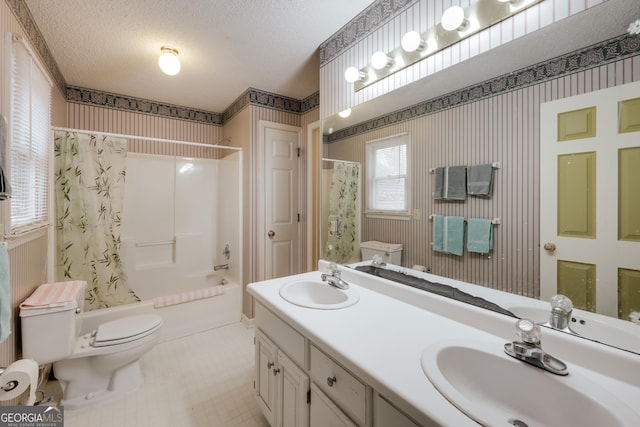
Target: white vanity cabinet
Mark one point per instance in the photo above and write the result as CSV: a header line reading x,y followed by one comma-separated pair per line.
x,y
324,412
298,384
340,385
281,387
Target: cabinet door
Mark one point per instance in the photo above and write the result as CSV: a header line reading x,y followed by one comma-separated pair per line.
x,y
293,385
266,384
324,413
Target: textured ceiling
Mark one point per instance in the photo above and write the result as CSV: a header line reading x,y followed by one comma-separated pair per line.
x,y
226,46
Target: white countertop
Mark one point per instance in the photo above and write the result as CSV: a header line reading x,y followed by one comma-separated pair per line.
x,y
381,340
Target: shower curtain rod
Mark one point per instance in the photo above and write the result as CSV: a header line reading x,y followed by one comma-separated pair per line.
x,y
324,159
142,138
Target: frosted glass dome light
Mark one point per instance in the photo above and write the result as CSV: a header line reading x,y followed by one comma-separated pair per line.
x,y
379,60
168,61
345,113
412,41
352,75
453,19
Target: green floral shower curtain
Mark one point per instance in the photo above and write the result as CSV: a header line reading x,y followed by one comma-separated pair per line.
x,y
89,195
343,199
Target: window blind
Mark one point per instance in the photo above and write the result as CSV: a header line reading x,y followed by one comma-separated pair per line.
x,y
387,171
29,115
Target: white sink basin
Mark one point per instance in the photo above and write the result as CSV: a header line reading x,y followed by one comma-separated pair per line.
x,y
495,389
318,295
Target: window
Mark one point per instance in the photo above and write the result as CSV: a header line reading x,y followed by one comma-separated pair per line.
x,y
28,110
388,176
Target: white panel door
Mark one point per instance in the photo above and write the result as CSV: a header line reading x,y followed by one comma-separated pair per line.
x,y
281,212
588,248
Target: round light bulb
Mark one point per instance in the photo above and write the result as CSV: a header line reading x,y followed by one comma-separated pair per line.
x,y
412,41
379,60
453,18
168,61
352,74
345,113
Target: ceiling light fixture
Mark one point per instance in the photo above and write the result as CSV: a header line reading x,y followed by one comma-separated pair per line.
x,y
453,19
352,75
380,60
345,113
412,41
168,60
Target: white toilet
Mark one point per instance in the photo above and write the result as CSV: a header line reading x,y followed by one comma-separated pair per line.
x,y
94,366
390,252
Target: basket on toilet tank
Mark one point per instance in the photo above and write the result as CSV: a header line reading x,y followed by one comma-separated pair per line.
x,y
390,252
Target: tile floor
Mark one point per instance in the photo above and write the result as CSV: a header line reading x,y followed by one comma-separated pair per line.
x,y
204,379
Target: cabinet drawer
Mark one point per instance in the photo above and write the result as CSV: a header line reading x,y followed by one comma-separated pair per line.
x,y
285,337
340,385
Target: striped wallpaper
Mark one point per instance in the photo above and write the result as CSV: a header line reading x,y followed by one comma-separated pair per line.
x,y
503,128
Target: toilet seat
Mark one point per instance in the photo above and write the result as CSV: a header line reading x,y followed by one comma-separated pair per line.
x,y
125,330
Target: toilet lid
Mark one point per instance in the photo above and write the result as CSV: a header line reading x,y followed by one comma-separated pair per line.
x,y
127,329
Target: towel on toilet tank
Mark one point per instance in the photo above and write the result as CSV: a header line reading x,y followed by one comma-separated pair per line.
x,y
479,235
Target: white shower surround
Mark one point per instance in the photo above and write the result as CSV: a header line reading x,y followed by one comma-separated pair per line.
x,y
179,214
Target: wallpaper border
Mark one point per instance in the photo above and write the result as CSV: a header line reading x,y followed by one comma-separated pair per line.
x,y
600,54
370,19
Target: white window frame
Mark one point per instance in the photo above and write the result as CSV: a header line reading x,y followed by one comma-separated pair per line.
x,y
40,163
371,147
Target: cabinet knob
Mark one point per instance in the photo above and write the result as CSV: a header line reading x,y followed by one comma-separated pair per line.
x,y
270,365
331,381
275,372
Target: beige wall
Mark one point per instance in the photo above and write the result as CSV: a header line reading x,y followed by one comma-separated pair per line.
x,y
27,262
505,129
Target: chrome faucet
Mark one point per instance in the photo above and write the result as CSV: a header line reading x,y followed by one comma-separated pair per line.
x,y
334,279
378,261
561,308
221,267
529,350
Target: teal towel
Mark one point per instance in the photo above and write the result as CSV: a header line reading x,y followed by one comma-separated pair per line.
x,y
479,235
438,242
5,294
454,235
448,234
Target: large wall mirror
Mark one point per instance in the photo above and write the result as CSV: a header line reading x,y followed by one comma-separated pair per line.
x,y
515,117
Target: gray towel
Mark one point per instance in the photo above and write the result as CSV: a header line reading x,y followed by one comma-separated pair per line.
x,y
480,180
455,183
438,183
5,188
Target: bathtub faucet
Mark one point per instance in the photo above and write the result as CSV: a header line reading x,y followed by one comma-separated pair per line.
x,y
221,267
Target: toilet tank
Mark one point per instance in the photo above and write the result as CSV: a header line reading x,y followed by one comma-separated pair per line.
x,y
390,252
49,332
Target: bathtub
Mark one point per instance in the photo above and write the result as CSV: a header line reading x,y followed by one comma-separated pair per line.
x,y
179,320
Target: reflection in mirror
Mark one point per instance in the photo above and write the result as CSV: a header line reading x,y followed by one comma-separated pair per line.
x,y
341,205
502,126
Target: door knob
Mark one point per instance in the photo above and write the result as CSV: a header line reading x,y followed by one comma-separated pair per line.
x,y
550,247
271,233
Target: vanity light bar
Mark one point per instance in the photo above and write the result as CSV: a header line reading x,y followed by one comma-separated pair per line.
x,y
478,16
